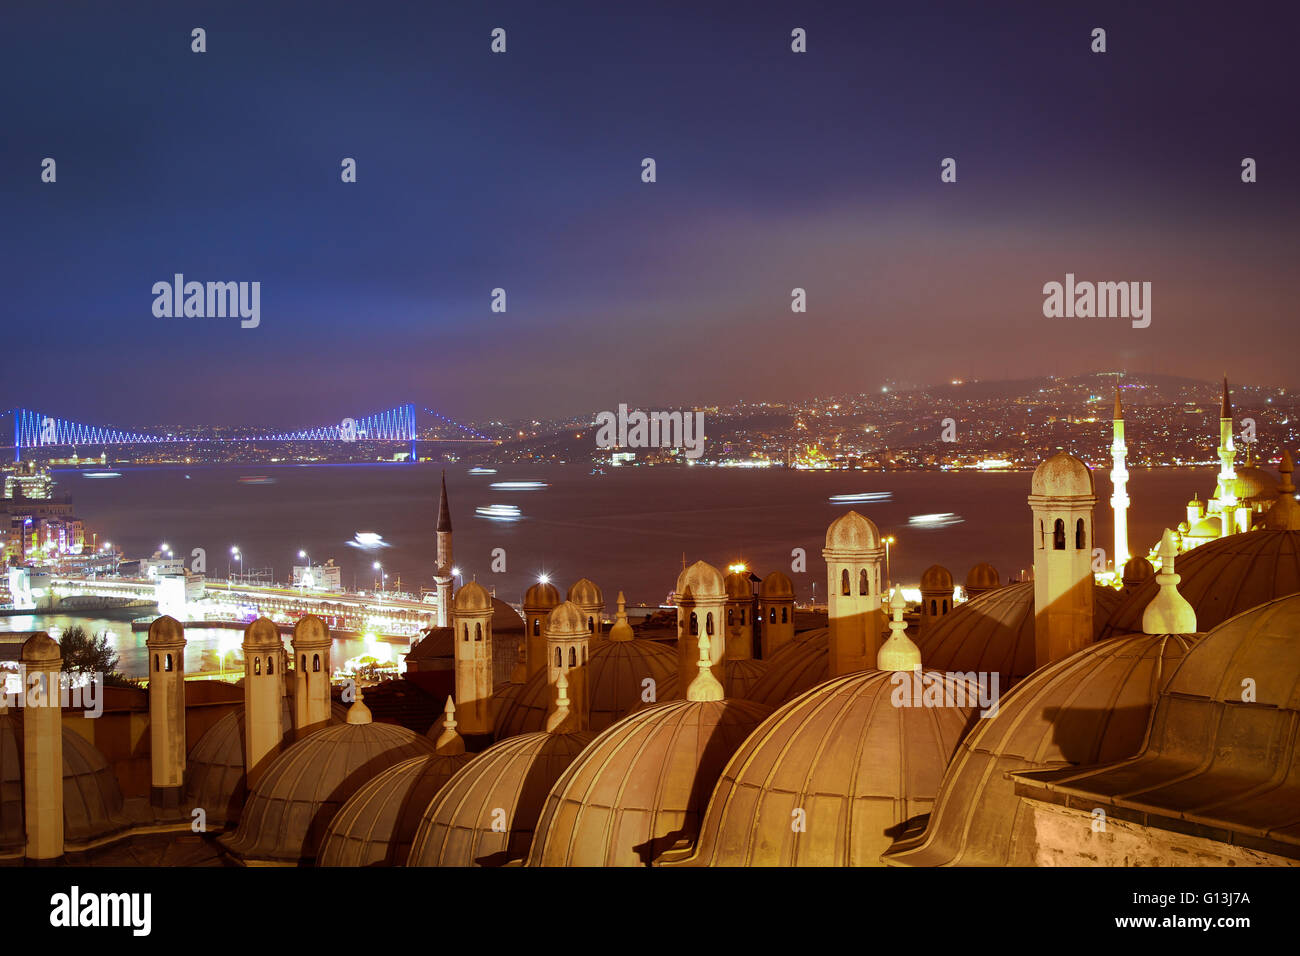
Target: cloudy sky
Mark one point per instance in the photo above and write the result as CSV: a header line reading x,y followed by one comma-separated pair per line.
x,y
522,171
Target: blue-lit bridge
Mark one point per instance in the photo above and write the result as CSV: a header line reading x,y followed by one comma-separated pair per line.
x,y
36,429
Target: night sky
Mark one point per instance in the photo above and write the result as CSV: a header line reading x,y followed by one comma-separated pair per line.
x,y
522,170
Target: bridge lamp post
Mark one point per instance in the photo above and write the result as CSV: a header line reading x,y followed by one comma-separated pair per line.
x,y
383,580
888,540
303,580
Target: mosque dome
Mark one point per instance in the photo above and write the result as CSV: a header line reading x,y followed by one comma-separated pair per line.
x,y
741,674
844,753
1222,578
585,593
301,790
936,578
642,785
1136,570
739,587
615,671
983,577
378,823
1254,484
797,666
92,799
1205,528
776,587
542,595
471,598
1062,476
995,632
462,826
701,582
852,532
1090,707
567,619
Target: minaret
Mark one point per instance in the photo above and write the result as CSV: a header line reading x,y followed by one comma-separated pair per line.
x,y
471,621
442,576
568,641
1062,498
166,654
853,556
1169,612
42,663
1119,479
311,674
899,652
1227,473
263,669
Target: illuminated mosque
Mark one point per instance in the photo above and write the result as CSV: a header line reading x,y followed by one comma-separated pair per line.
x,y
1051,721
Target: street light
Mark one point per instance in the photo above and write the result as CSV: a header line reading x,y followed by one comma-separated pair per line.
x,y
889,539
303,580
238,555
383,579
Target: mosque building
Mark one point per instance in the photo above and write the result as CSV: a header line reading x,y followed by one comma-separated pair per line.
x,y
741,730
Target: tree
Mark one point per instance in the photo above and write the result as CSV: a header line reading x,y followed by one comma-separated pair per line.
x,y
83,654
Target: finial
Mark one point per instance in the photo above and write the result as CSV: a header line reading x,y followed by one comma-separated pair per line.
x,y
898,653
705,686
358,713
1169,612
621,629
558,719
449,742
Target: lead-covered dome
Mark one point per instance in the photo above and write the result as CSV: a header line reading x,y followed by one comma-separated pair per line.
x,y
936,578
291,806
1062,476
585,593
543,595
995,632
843,763
471,598
1090,707
92,799
797,666
486,814
701,582
739,587
1222,578
777,586
641,786
852,532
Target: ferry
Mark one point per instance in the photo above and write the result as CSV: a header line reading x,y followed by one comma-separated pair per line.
x,y
861,496
499,512
105,474
482,471
940,520
519,485
256,480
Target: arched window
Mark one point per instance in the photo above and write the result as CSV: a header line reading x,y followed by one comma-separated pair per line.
x,y
771,616
863,588
731,616
167,663
945,606
315,662
478,631
257,665
934,607
1058,536
695,624
742,617
270,665
156,665
784,611
559,657
573,656
1080,536
303,666
708,624
844,582
591,625
537,627
467,632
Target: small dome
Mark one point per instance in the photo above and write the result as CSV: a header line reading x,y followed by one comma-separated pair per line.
x,y
460,827
567,620
378,823
616,671
471,598
739,587
1091,707
843,752
797,666
1205,528
541,596
740,675
40,647
852,532
642,785
995,632
1222,578
585,594
263,633
1062,476
701,582
291,806
1254,484
983,577
776,587
92,799
1136,570
936,578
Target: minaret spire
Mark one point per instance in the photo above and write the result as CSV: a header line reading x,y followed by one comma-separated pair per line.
x,y
442,572
1227,471
1119,500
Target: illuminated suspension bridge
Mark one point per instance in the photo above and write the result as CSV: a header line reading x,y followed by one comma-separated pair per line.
x,y
34,429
